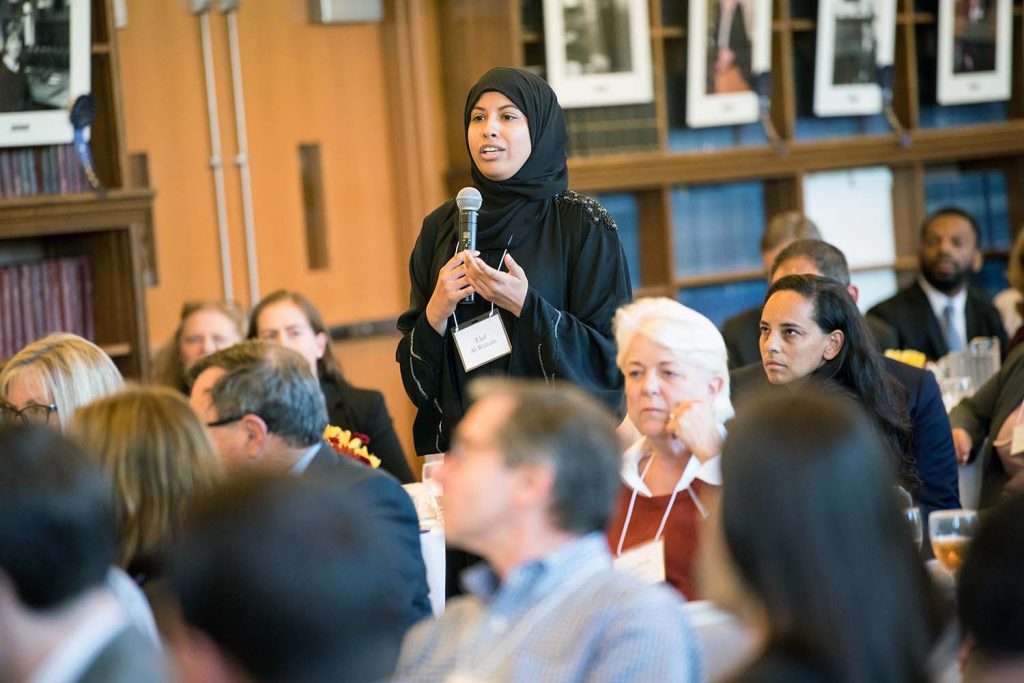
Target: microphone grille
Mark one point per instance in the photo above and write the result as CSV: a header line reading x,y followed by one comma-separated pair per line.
x,y
469,199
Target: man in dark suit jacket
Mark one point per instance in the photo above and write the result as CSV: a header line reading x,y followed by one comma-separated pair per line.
x,y
939,312
58,619
808,256
265,410
740,331
931,436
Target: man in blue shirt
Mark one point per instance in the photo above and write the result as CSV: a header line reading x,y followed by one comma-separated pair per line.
x,y
529,486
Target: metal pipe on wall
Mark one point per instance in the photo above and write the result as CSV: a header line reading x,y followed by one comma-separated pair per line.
x,y
230,8
216,163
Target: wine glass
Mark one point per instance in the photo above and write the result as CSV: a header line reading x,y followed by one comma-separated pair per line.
x,y
951,531
432,463
913,517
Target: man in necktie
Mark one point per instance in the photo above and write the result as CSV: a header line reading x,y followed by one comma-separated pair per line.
x,y
939,313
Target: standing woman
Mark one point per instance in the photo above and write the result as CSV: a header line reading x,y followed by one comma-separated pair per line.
x,y
548,262
289,319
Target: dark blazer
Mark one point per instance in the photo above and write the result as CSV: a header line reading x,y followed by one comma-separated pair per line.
x,y
742,335
129,657
385,497
931,438
364,411
984,413
917,328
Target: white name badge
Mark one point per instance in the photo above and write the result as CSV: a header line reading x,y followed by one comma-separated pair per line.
x,y
481,342
1017,443
646,562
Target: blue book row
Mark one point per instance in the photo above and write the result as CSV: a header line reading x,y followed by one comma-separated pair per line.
x,y
623,208
981,193
719,302
717,227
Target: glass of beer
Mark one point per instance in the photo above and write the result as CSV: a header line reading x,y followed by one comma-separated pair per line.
x,y
951,531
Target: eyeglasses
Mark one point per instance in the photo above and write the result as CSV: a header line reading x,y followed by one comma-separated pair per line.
x,y
30,414
225,421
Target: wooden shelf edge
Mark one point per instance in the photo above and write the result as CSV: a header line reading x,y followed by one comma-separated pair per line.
x,y
748,274
644,171
117,350
44,215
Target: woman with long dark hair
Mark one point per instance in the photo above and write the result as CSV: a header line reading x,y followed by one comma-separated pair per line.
x,y
810,327
809,548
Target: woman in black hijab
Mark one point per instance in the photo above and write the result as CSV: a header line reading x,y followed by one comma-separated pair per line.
x,y
556,289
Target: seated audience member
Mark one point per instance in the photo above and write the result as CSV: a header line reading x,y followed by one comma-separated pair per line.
x,y
50,378
810,327
740,331
288,318
939,313
58,619
677,396
265,411
991,596
984,425
280,580
931,443
159,457
1010,301
204,327
529,485
809,548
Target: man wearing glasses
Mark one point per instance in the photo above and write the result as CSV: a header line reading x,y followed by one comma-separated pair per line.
x,y
264,410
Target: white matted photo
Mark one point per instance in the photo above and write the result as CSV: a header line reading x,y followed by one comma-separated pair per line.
x,y
855,37
729,44
598,52
974,51
44,67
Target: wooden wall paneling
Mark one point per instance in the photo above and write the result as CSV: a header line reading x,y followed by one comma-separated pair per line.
x,y
107,141
783,90
413,61
1016,105
311,178
476,35
906,98
907,208
658,72
783,194
656,251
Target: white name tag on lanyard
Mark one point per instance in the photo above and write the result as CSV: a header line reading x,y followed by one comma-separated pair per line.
x,y
1017,443
481,342
646,562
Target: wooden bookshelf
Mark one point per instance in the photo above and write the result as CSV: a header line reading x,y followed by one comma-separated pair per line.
x,y
108,230
510,33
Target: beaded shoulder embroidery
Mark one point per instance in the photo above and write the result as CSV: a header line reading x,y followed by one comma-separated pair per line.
x,y
590,206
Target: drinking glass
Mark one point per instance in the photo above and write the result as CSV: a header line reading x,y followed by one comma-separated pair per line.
x,y
951,531
954,389
431,465
913,517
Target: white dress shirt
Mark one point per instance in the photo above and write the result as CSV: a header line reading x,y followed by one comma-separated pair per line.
x,y
939,301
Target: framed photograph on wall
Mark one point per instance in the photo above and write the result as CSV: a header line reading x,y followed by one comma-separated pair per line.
x,y
974,51
854,38
729,43
44,66
598,52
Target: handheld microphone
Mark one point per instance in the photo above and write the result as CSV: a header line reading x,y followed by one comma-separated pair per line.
x,y
469,202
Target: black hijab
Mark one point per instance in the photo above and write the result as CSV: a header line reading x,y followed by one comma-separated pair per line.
x,y
514,207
